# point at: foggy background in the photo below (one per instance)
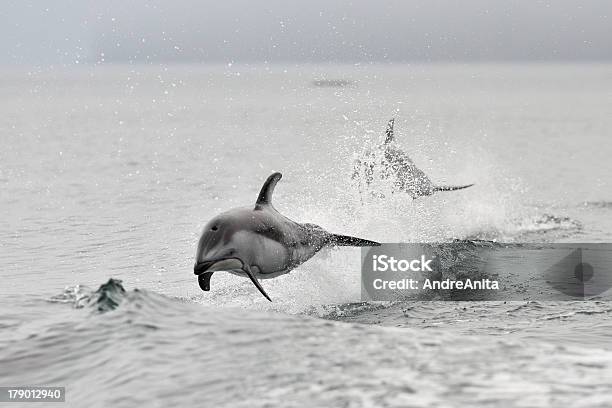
(67, 32)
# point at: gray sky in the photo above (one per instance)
(67, 31)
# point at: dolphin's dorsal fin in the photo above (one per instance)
(389, 131)
(265, 195)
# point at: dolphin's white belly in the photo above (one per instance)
(258, 273)
(267, 258)
(226, 265)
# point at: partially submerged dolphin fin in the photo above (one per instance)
(250, 274)
(265, 195)
(389, 132)
(346, 240)
(451, 188)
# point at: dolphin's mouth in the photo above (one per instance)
(205, 269)
(217, 264)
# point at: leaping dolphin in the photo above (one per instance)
(395, 164)
(259, 242)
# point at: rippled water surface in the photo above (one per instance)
(111, 172)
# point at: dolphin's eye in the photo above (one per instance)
(214, 228)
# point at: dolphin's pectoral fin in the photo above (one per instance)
(250, 274)
(204, 281)
(346, 240)
(265, 195)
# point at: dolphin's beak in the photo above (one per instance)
(217, 264)
(204, 269)
(201, 267)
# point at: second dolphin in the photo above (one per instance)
(389, 162)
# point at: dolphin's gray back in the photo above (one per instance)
(301, 241)
(276, 243)
(405, 174)
(390, 163)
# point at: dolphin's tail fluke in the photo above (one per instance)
(451, 188)
(345, 240)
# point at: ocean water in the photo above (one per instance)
(112, 171)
